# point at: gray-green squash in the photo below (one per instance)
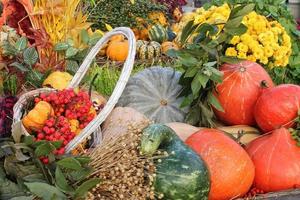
(182, 175)
(155, 93)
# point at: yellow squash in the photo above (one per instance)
(58, 80)
(37, 117)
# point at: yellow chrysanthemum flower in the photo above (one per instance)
(231, 52)
(236, 39)
(242, 47)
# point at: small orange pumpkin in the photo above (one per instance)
(165, 46)
(117, 38)
(37, 117)
(117, 50)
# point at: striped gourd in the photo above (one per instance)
(148, 50)
(158, 33)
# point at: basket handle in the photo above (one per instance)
(126, 71)
(94, 51)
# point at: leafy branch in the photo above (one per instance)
(25, 59)
(64, 177)
(200, 61)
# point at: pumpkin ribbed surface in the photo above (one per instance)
(154, 92)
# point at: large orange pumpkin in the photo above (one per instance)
(277, 161)
(118, 50)
(239, 91)
(278, 107)
(231, 169)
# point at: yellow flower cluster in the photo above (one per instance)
(214, 15)
(265, 41)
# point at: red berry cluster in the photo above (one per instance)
(253, 192)
(67, 105)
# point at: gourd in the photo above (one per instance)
(180, 175)
(276, 157)
(148, 50)
(118, 50)
(277, 107)
(242, 85)
(158, 33)
(166, 46)
(241, 133)
(119, 120)
(58, 80)
(231, 169)
(154, 92)
(158, 17)
(37, 117)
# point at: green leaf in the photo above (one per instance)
(80, 174)
(85, 187)
(30, 56)
(62, 46)
(29, 140)
(215, 102)
(85, 36)
(70, 42)
(191, 72)
(61, 181)
(187, 31)
(187, 101)
(44, 149)
(203, 79)
(45, 191)
(21, 43)
(71, 52)
(196, 86)
(9, 50)
(237, 31)
(57, 144)
(234, 22)
(245, 10)
(35, 178)
(83, 159)
(70, 163)
(230, 60)
(72, 66)
(19, 66)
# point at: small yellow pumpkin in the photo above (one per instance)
(118, 50)
(58, 80)
(165, 46)
(36, 118)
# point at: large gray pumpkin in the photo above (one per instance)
(154, 92)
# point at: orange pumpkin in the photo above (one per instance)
(37, 117)
(165, 46)
(117, 38)
(231, 169)
(117, 50)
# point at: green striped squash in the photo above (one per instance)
(148, 50)
(158, 33)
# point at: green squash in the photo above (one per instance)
(158, 33)
(182, 175)
(148, 50)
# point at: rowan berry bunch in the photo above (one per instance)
(68, 107)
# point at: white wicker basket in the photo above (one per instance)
(94, 126)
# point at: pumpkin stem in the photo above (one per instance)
(164, 102)
(264, 84)
(243, 69)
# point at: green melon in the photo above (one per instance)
(182, 175)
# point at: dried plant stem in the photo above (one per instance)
(124, 172)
